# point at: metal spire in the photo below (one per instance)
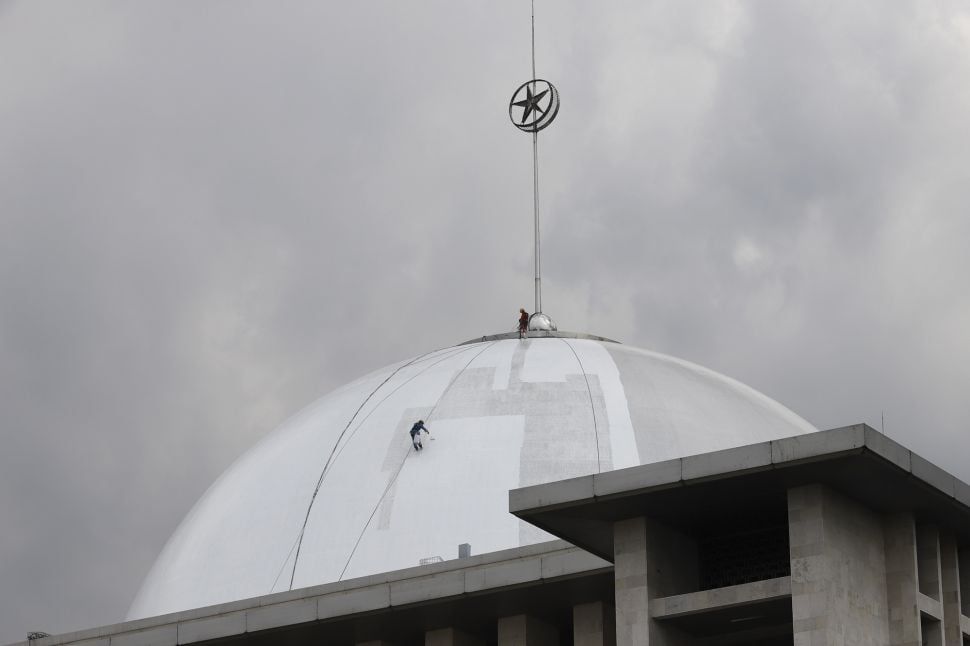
(535, 175)
(539, 101)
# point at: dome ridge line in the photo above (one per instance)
(323, 472)
(404, 461)
(592, 408)
(399, 386)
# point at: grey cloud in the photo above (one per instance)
(211, 216)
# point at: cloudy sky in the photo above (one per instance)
(212, 213)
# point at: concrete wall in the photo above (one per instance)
(451, 637)
(950, 588)
(525, 630)
(963, 558)
(594, 624)
(902, 580)
(650, 561)
(838, 570)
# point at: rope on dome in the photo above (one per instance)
(589, 391)
(406, 456)
(401, 385)
(298, 543)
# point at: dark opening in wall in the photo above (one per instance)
(742, 554)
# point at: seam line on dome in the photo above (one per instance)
(592, 407)
(340, 450)
(299, 540)
(404, 461)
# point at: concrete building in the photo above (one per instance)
(834, 537)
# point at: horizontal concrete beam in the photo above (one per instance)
(929, 606)
(430, 583)
(744, 594)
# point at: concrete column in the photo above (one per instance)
(630, 572)
(902, 582)
(931, 633)
(594, 624)
(650, 560)
(451, 637)
(838, 570)
(950, 586)
(928, 560)
(525, 630)
(963, 563)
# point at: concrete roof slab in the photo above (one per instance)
(727, 461)
(503, 574)
(668, 472)
(281, 614)
(962, 491)
(425, 588)
(166, 635)
(888, 449)
(933, 475)
(544, 495)
(856, 460)
(573, 562)
(347, 602)
(818, 445)
(199, 630)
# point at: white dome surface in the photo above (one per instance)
(503, 413)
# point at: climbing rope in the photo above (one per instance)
(298, 544)
(406, 456)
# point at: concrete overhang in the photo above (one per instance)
(722, 486)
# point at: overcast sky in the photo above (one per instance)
(212, 213)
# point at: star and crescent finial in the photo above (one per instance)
(538, 100)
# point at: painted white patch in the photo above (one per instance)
(499, 357)
(548, 360)
(449, 492)
(597, 361)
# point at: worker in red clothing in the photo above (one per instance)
(523, 322)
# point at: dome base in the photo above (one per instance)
(539, 334)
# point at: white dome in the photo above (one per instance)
(504, 414)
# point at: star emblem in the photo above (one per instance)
(538, 101)
(531, 104)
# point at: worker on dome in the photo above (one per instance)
(416, 434)
(523, 322)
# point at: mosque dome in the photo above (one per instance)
(338, 492)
